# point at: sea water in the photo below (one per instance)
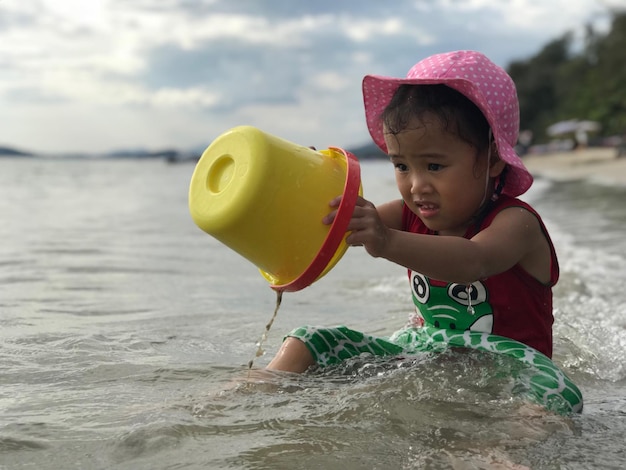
(126, 332)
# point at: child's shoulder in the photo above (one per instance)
(505, 202)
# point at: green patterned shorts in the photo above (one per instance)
(549, 385)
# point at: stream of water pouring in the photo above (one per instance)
(259, 351)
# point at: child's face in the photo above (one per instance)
(440, 177)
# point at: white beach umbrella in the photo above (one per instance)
(572, 126)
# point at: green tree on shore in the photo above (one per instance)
(557, 84)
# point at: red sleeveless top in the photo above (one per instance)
(512, 304)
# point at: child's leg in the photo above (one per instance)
(293, 356)
(309, 345)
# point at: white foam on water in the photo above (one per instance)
(589, 299)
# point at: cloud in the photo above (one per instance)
(193, 68)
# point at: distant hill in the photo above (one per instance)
(12, 152)
(368, 151)
(363, 152)
(141, 153)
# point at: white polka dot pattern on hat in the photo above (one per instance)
(475, 76)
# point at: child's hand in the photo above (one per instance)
(366, 227)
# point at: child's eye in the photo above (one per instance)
(434, 166)
(400, 167)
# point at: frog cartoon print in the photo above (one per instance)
(451, 306)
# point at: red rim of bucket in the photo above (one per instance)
(337, 229)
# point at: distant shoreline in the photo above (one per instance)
(596, 164)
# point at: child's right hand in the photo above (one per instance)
(366, 227)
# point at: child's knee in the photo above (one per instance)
(293, 356)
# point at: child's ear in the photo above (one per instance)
(496, 168)
(497, 164)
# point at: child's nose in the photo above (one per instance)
(419, 183)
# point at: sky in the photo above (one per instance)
(95, 76)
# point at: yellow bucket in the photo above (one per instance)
(265, 197)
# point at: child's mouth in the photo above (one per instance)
(427, 209)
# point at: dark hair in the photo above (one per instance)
(457, 114)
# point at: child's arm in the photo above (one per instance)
(514, 236)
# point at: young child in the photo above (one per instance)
(478, 259)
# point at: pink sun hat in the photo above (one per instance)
(471, 73)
